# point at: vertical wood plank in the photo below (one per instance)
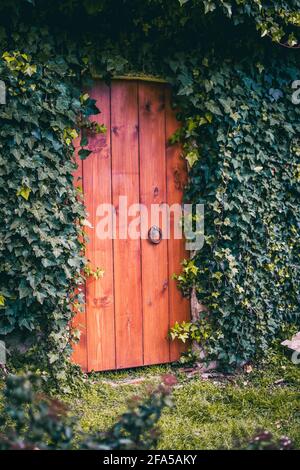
(125, 182)
(176, 180)
(79, 355)
(153, 191)
(99, 293)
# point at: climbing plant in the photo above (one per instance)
(243, 148)
(32, 420)
(240, 137)
(277, 19)
(42, 215)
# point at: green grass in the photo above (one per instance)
(206, 414)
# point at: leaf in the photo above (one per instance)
(248, 368)
(2, 301)
(83, 141)
(30, 70)
(228, 8)
(53, 357)
(209, 117)
(84, 97)
(209, 6)
(192, 157)
(24, 192)
(275, 94)
(292, 40)
(84, 153)
(24, 292)
(40, 297)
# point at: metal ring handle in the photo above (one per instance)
(154, 234)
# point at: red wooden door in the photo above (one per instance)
(129, 311)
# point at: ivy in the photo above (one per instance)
(240, 137)
(246, 175)
(42, 257)
(31, 420)
(278, 19)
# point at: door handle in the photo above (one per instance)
(154, 234)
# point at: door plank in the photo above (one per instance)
(79, 355)
(176, 180)
(99, 293)
(125, 182)
(155, 281)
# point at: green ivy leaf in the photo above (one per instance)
(84, 153)
(24, 192)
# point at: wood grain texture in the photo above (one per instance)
(79, 355)
(155, 282)
(99, 293)
(127, 252)
(129, 311)
(176, 180)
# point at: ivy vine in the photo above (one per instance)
(240, 136)
(244, 155)
(42, 215)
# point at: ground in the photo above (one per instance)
(208, 413)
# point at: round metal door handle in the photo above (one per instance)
(154, 234)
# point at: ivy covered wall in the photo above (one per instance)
(240, 137)
(41, 251)
(244, 146)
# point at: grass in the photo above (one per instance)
(207, 414)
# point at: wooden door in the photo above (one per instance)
(129, 311)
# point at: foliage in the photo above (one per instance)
(223, 412)
(31, 420)
(41, 242)
(277, 19)
(240, 137)
(198, 331)
(185, 331)
(195, 332)
(136, 427)
(188, 276)
(264, 440)
(97, 273)
(246, 175)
